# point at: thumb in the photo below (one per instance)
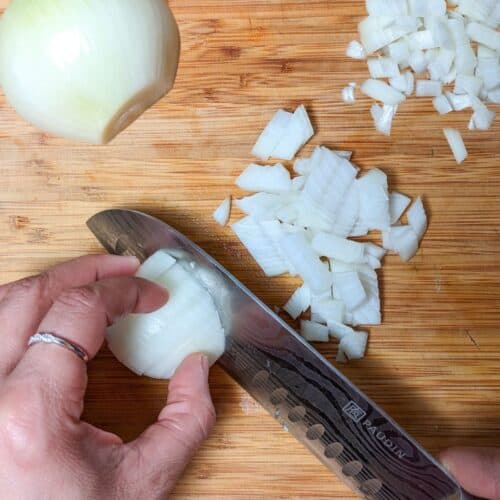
(476, 469)
(159, 456)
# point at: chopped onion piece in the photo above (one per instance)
(298, 183)
(359, 230)
(404, 83)
(374, 200)
(467, 84)
(274, 179)
(479, 10)
(422, 40)
(439, 68)
(347, 155)
(494, 96)
(417, 61)
(428, 88)
(223, 212)
(398, 203)
(369, 312)
(338, 330)
(297, 133)
(484, 35)
(334, 247)
(328, 183)
(392, 8)
(302, 166)
(355, 50)
(261, 206)
(383, 117)
(378, 31)
(330, 310)
(348, 95)
(156, 265)
(354, 346)
(424, 8)
(272, 135)
(383, 67)
(483, 117)
(381, 91)
(348, 288)
(298, 250)
(442, 105)
(404, 241)
(261, 246)
(314, 332)
(299, 302)
(459, 102)
(417, 218)
(348, 213)
(341, 357)
(399, 52)
(456, 143)
(375, 251)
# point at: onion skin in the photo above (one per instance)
(86, 69)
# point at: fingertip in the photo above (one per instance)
(446, 461)
(151, 296)
(130, 260)
(191, 379)
(195, 364)
(474, 468)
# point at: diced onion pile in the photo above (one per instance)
(303, 225)
(437, 43)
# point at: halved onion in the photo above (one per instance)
(86, 69)
(155, 344)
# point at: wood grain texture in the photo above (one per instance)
(433, 364)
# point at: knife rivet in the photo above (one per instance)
(352, 468)
(315, 432)
(333, 450)
(297, 414)
(261, 377)
(278, 396)
(371, 487)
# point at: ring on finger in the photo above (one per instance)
(50, 338)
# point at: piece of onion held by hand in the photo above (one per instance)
(155, 344)
(86, 69)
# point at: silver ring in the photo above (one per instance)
(50, 338)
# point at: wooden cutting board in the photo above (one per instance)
(433, 364)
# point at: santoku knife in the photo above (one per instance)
(308, 396)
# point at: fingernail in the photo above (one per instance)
(132, 260)
(446, 465)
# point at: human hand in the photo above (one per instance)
(476, 469)
(46, 451)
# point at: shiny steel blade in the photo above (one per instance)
(308, 396)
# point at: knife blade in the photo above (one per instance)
(308, 396)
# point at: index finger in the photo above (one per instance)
(81, 316)
(25, 302)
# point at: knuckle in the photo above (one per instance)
(80, 300)
(40, 285)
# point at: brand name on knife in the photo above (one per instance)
(358, 415)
